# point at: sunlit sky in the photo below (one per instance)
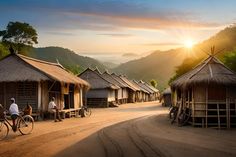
(120, 26)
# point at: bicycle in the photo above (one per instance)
(25, 124)
(85, 111)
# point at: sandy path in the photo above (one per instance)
(137, 130)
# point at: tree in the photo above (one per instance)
(19, 35)
(3, 51)
(153, 83)
(229, 60)
(186, 66)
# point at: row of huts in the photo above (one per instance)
(208, 93)
(111, 90)
(32, 81)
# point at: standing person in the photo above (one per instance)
(14, 111)
(52, 107)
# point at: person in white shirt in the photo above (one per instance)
(14, 111)
(52, 108)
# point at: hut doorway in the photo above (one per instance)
(69, 98)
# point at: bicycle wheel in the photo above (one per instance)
(26, 124)
(88, 112)
(4, 130)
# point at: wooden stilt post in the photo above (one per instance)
(5, 95)
(193, 108)
(218, 115)
(206, 107)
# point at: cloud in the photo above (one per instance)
(163, 44)
(117, 35)
(103, 15)
(129, 55)
(60, 33)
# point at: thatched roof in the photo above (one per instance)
(140, 86)
(210, 71)
(124, 84)
(96, 80)
(17, 67)
(151, 87)
(130, 83)
(166, 91)
(110, 79)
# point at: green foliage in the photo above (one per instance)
(3, 51)
(19, 35)
(75, 69)
(187, 65)
(69, 59)
(229, 60)
(153, 83)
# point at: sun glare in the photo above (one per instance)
(188, 43)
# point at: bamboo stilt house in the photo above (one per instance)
(32, 81)
(208, 92)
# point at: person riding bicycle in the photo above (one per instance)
(14, 111)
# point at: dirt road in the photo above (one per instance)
(132, 130)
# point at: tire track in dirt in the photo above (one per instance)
(111, 147)
(146, 148)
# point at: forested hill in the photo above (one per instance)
(162, 65)
(159, 65)
(69, 59)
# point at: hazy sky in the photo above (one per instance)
(120, 26)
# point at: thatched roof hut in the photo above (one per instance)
(145, 94)
(33, 81)
(208, 92)
(102, 92)
(166, 97)
(210, 71)
(135, 94)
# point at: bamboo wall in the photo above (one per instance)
(211, 106)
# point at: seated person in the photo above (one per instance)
(28, 110)
(52, 108)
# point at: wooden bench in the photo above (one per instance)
(35, 114)
(71, 112)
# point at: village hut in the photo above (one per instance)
(32, 81)
(135, 94)
(102, 93)
(126, 89)
(156, 93)
(207, 94)
(151, 95)
(166, 97)
(119, 92)
(144, 93)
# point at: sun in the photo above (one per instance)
(188, 43)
